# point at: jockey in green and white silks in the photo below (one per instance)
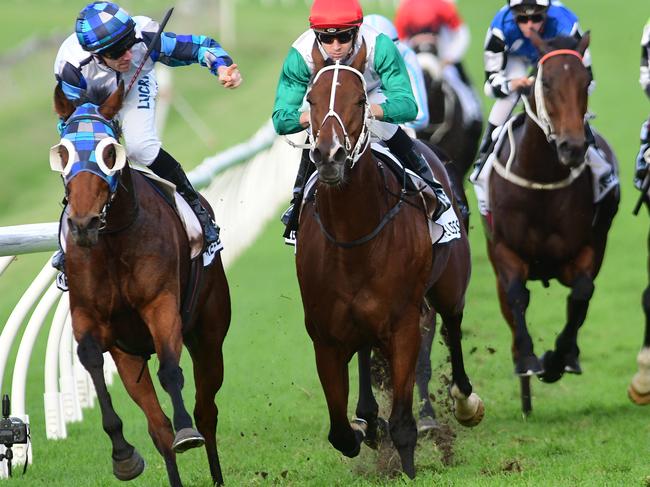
(386, 77)
(337, 31)
(643, 157)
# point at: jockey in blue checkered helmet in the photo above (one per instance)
(102, 27)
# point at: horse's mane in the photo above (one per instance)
(94, 95)
(563, 42)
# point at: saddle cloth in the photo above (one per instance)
(445, 229)
(187, 216)
(603, 174)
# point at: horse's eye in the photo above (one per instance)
(64, 155)
(546, 85)
(308, 100)
(362, 102)
(109, 156)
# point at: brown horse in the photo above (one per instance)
(545, 224)
(128, 264)
(365, 265)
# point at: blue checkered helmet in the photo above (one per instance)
(101, 25)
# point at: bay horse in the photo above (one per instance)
(544, 222)
(365, 266)
(128, 264)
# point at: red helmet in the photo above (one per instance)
(335, 15)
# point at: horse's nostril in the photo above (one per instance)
(340, 155)
(316, 155)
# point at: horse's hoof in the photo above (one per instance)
(553, 371)
(426, 425)
(638, 398)
(476, 418)
(572, 364)
(130, 468)
(527, 366)
(187, 438)
(374, 436)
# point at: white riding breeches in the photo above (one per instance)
(137, 117)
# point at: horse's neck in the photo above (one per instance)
(353, 209)
(124, 207)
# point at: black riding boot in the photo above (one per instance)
(168, 168)
(403, 147)
(485, 147)
(290, 216)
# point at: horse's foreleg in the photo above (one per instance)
(639, 389)
(468, 406)
(404, 348)
(332, 367)
(164, 324)
(127, 462)
(135, 376)
(367, 407)
(514, 302)
(207, 358)
(427, 416)
(565, 356)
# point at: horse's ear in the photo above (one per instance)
(539, 43)
(62, 105)
(359, 62)
(317, 56)
(584, 43)
(113, 103)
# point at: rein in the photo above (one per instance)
(384, 221)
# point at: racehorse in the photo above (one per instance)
(126, 280)
(365, 265)
(544, 223)
(447, 129)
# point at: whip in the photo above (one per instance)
(149, 49)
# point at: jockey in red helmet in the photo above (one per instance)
(337, 30)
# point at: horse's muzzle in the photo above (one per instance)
(330, 164)
(571, 151)
(84, 230)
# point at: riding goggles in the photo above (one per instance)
(342, 37)
(534, 18)
(118, 49)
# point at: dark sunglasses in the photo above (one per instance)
(343, 37)
(118, 50)
(534, 18)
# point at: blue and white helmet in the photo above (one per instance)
(529, 6)
(101, 25)
(381, 24)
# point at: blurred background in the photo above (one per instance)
(273, 416)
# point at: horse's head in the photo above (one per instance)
(561, 95)
(89, 158)
(338, 110)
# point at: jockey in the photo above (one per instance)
(107, 47)
(424, 21)
(337, 31)
(384, 26)
(509, 54)
(643, 159)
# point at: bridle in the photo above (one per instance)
(353, 154)
(542, 118)
(98, 167)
